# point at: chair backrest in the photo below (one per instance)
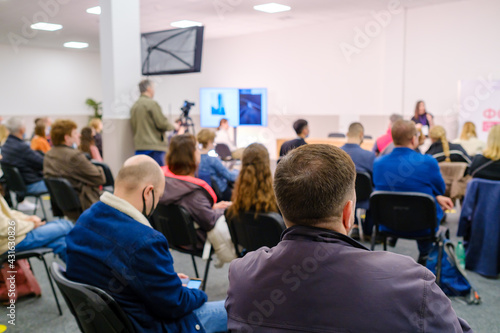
(13, 178)
(403, 211)
(64, 194)
(110, 181)
(216, 189)
(94, 309)
(251, 233)
(336, 135)
(363, 185)
(223, 151)
(368, 137)
(176, 224)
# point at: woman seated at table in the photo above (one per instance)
(487, 165)
(212, 166)
(196, 196)
(442, 150)
(253, 191)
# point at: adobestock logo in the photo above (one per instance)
(371, 30)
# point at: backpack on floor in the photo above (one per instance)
(450, 277)
(25, 282)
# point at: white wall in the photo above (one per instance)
(446, 43)
(38, 81)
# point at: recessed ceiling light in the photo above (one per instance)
(94, 10)
(185, 24)
(46, 26)
(76, 45)
(272, 8)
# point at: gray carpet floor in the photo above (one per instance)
(40, 314)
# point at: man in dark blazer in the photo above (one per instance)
(302, 129)
(319, 280)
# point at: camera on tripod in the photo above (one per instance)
(186, 107)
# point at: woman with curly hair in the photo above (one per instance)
(253, 190)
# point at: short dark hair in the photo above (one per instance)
(355, 129)
(299, 125)
(312, 183)
(402, 132)
(181, 155)
(143, 85)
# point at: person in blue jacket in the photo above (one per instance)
(113, 247)
(405, 170)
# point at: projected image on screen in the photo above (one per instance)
(250, 108)
(218, 104)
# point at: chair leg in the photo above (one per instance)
(51, 285)
(205, 276)
(374, 235)
(36, 206)
(43, 209)
(195, 268)
(385, 243)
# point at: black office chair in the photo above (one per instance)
(95, 311)
(176, 224)
(223, 151)
(406, 212)
(364, 189)
(15, 183)
(250, 233)
(336, 135)
(368, 137)
(216, 189)
(39, 254)
(64, 196)
(110, 181)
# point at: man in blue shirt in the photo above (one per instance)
(363, 160)
(405, 170)
(113, 247)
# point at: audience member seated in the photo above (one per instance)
(4, 134)
(39, 141)
(113, 247)
(253, 190)
(442, 150)
(385, 140)
(319, 280)
(422, 118)
(196, 196)
(211, 165)
(87, 144)
(487, 165)
(363, 159)
(31, 232)
(302, 129)
(65, 161)
(17, 153)
(469, 141)
(405, 170)
(96, 124)
(223, 136)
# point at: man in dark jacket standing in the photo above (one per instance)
(149, 125)
(319, 280)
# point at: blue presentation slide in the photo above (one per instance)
(238, 106)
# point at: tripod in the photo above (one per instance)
(188, 123)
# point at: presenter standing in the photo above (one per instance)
(149, 125)
(422, 119)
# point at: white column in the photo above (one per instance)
(121, 72)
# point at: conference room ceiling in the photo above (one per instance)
(221, 18)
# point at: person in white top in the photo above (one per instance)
(222, 135)
(469, 141)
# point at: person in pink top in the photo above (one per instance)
(386, 139)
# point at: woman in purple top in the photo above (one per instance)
(422, 119)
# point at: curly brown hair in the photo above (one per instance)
(253, 190)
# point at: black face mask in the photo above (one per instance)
(144, 204)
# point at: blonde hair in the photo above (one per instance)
(205, 136)
(468, 131)
(94, 123)
(4, 133)
(492, 150)
(438, 133)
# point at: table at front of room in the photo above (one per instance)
(339, 142)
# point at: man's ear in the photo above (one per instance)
(348, 215)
